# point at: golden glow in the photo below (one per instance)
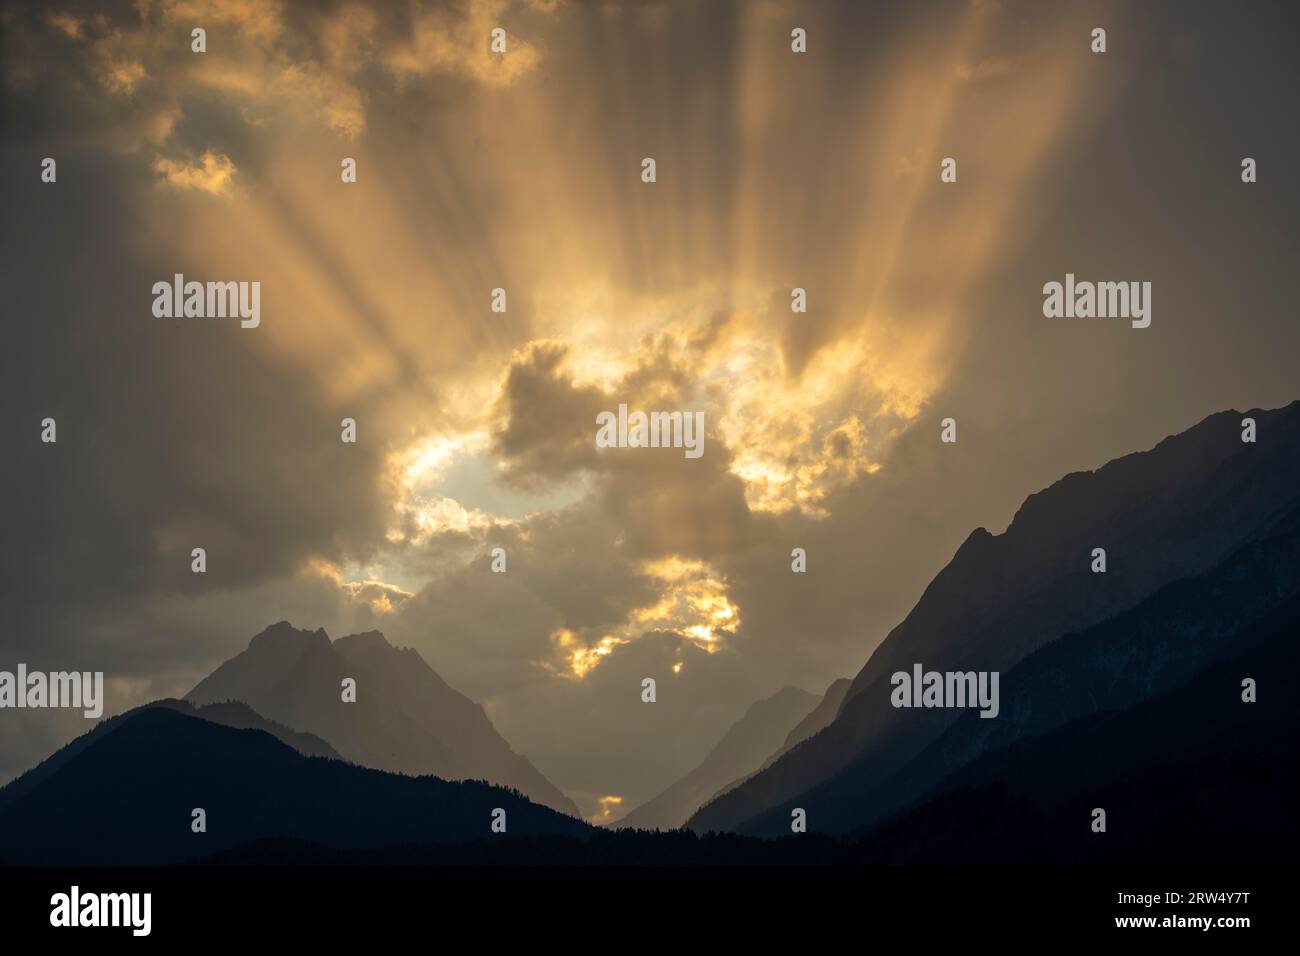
(579, 659)
(607, 806)
(378, 595)
(428, 460)
(325, 569)
(660, 296)
(210, 173)
(417, 470)
(693, 603)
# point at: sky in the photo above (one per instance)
(522, 170)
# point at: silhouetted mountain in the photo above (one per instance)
(237, 714)
(1191, 777)
(604, 848)
(740, 751)
(125, 797)
(1169, 639)
(405, 718)
(229, 714)
(816, 721)
(1169, 513)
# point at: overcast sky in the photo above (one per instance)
(522, 171)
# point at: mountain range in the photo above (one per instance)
(126, 796)
(741, 751)
(1187, 778)
(405, 718)
(229, 714)
(1174, 512)
(1249, 601)
(1163, 689)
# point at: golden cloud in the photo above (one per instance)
(210, 173)
(443, 43)
(606, 807)
(122, 77)
(692, 603)
(379, 596)
(67, 24)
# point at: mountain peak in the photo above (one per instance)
(787, 695)
(367, 641)
(1171, 512)
(974, 542)
(151, 760)
(282, 633)
(405, 718)
(740, 752)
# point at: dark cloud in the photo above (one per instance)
(546, 422)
